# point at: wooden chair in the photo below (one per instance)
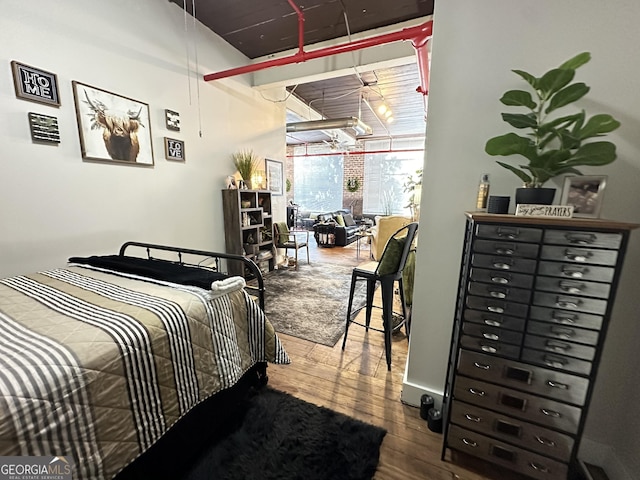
(284, 238)
(387, 271)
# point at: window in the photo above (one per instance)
(318, 181)
(386, 173)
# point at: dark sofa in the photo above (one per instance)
(344, 234)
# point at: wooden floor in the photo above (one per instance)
(356, 382)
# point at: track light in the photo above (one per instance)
(382, 109)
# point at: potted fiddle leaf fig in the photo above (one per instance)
(551, 143)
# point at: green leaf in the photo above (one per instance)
(594, 154)
(511, 144)
(530, 79)
(567, 95)
(521, 175)
(576, 61)
(518, 98)
(554, 80)
(519, 120)
(597, 125)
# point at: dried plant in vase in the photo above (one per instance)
(247, 163)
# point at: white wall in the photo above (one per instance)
(475, 46)
(52, 203)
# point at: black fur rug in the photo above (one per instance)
(271, 436)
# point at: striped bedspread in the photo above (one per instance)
(98, 365)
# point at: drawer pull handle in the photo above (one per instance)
(561, 386)
(502, 280)
(470, 443)
(545, 441)
(479, 393)
(492, 322)
(567, 303)
(508, 233)
(505, 251)
(488, 348)
(502, 265)
(539, 468)
(491, 336)
(581, 238)
(558, 346)
(574, 272)
(554, 362)
(571, 287)
(564, 317)
(494, 309)
(482, 366)
(551, 413)
(496, 294)
(577, 256)
(472, 418)
(562, 332)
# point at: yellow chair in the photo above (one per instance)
(382, 231)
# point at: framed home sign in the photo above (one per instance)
(174, 149)
(274, 176)
(585, 193)
(35, 85)
(112, 128)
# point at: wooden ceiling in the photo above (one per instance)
(265, 27)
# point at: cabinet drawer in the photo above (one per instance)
(560, 347)
(497, 306)
(494, 320)
(550, 383)
(500, 453)
(563, 317)
(562, 362)
(569, 302)
(576, 272)
(531, 408)
(579, 255)
(501, 292)
(490, 347)
(512, 430)
(573, 287)
(563, 332)
(511, 233)
(501, 277)
(492, 333)
(510, 264)
(509, 249)
(586, 239)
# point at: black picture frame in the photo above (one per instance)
(35, 85)
(275, 176)
(174, 149)
(172, 120)
(44, 128)
(95, 105)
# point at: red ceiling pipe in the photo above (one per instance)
(418, 35)
(357, 152)
(300, 26)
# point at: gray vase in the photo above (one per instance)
(536, 196)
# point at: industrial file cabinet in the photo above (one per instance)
(533, 307)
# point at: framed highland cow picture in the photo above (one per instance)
(112, 128)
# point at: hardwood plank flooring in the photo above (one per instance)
(356, 382)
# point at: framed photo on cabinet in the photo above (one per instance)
(584, 193)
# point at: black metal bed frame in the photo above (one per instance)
(254, 271)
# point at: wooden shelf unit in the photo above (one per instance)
(248, 227)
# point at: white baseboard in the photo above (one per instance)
(411, 394)
(605, 457)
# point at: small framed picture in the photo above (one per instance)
(173, 120)
(585, 194)
(274, 176)
(174, 149)
(35, 85)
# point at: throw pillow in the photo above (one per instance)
(348, 220)
(340, 220)
(391, 256)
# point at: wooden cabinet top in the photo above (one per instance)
(597, 223)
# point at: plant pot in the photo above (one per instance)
(536, 196)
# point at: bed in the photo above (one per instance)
(101, 358)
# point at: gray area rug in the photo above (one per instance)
(311, 303)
